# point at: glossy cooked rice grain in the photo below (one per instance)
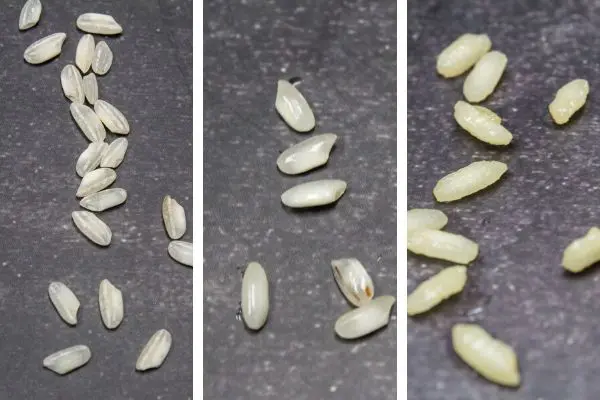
(433, 291)
(568, 100)
(468, 180)
(462, 54)
(425, 218)
(483, 79)
(481, 124)
(443, 245)
(582, 252)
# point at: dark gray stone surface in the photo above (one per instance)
(517, 288)
(150, 81)
(345, 53)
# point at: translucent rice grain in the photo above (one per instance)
(182, 252)
(156, 350)
(100, 24)
(315, 193)
(481, 124)
(85, 53)
(293, 107)
(583, 252)
(104, 199)
(353, 280)
(30, 14)
(45, 49)
(115, 153)
(110, 301)
(103, 58)
(468, 180)
(462, 54)
(443, 245)
(425, 218)
(484, 77)
(491, 358)
(66, 360)
(90, 158)
(96, 180)
(90, 88)
(88, 122)
(436, 289)
(569, 98)
(365, 319)
(65, 302)
(255, 296)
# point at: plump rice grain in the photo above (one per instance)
(88, 122)
(313, 194)
(111, 117)
(101, 24)
(30, 14)
(462, 54)
(365, 319)
(110, 301)
(425, 218)
(568, 100)
(72, 84)
(582, 252)
(90, 88)
(92, 227)
(155, 351)
(103, 58)
(182, 252)
(484, 77)
(353, 280)
(491, 358)
(293, 107)
(96, 180)
(436, 289)
(90, 158)
(104, 199)
(480, 124)
(85, 53)
(443, 245)
(114, 154)
(45, 49)
(468, 180)
(173, 217)
(306, 155)
(67, 360)
(65, 302)
(255, 296)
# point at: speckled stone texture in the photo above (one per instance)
(346, 55)
(150, 82)
(517, 289)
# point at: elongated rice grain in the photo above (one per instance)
(103, 58)
(72, 84)
(582, 252)
(443, 245)
(436, 289)
(111, 117)
(568, 100)
(365, 319)
(90, 88)
(104, 199)
(155, 351)
(462, 54)
(96, 180)
(45, 49)
(481, 124)
(182, 252)
(484, 77)
(30, 14)
(494, 360)
(173, 217)
(425, 218)
(353, 280)
(255, 296)
(101, 24)
(67, 360)
(88, 122)
(314, 193)
(115, 153)
(306, 155)
(110, 301)
(65, 302)
(85, 53)
(293, 107)
(468, 180)
(90, 158)
(92, 227)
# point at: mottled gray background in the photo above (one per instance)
(150, 81)
(517, 289)
(346, 54)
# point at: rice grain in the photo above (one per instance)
(306, 155)
(115, 153)
(481, 124)
(293, 107)
(582, 252)
(182, 252)
(104, 199)
(65, 302)
(67, 360)
(568, 100)
(90, 158)
(103, 58)
(173, 217)
(353, 280)
(44, 49)
(484, 77)
(72, 84)
(96, 180)
(110, 301)
(155, 351)
(443, 245)
(436, 289)
(101, 24)
(88, 122)
(315, 193)
(30, 14)
(111, 117)
(92, 227)
(462, 54)
(425, 218)
(255, 296)
(85, 53)
(365, 319)
(468, 180)
(90, 88)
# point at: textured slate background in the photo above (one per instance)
(517, 289)
(346, 54)
(150, 81)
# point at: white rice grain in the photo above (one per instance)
(89, 160)
(353, 280)
(111, 117)
(88, 122)
(436, 289)
(306, 155)
(104, 199)
(110, 301)
(313, 194)
(173, 217)
(568, 100)
(491, 358)
(481, 124)
(255, 296)
(462, 54)
(365, 319)
(155, 351)
(293, 107)
(92, 227)
(45, 49)
(90, 88)
(182, 252)
(67, 360)
(468, 180)
(582, 252)
(101, 24)
(65, 302)
(96, 180)
(443, 245)
(425, 218)
(484, 77)
(30, 14)
(85, 53)
(72, 84)
(115, 153)
(103, 58)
